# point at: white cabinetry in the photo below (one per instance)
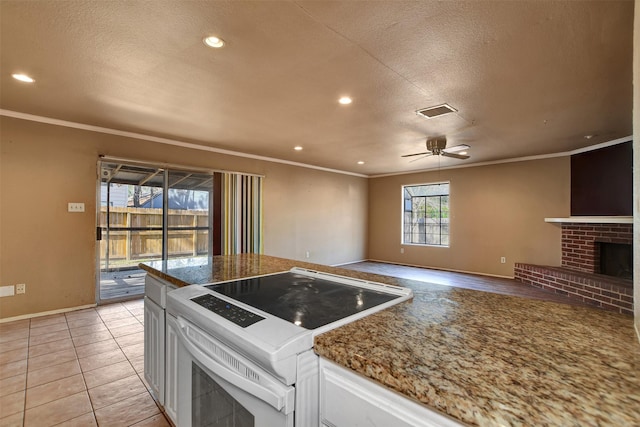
(155, 302)
(171, 378)
(154, 347)
(350, 400)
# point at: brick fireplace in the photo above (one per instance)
(581, 243)
(579, 275)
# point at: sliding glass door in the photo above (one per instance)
(149, 213)
(188, 215)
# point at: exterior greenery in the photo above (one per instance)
(425, 219)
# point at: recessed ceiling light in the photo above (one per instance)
(297, 148)
(23, 78)
(215, 42)
(361, 162)
(345, 100)
(588, 136)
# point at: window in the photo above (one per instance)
(425, 219)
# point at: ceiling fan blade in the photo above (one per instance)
(420, 158)
(426, 153)
(456, 148)
(455, 156)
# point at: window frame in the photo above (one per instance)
(440, 218)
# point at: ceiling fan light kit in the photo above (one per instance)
(436, 145)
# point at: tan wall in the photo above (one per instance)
(496, 211)
(322, 213)
(44, 167)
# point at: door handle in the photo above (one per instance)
(268, 390)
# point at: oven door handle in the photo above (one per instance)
(272, 392)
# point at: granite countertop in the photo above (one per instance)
(482, 358)
(202, 270)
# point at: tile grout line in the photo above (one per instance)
(26, 377)
(141, 378)
(138, 374)
(83, 372)
(84, 381)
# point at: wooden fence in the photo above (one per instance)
(130, 244)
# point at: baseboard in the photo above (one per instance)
(347, 263)
(46, 313)
(439, 268)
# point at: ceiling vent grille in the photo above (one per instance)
(438, 110)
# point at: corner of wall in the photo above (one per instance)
(636, 166)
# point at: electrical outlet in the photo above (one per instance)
(401, 250)
(21, 288)
(307, 254)
(503, 260)
(75, 207)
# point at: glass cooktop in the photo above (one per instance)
(309, 302)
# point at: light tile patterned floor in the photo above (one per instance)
(82, 368)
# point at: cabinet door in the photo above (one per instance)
(350, 400)
(171, 379)
(154, 348)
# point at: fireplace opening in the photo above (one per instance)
(616, 259)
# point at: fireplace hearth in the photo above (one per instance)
(597, 264)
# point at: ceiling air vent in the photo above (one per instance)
(438, 110)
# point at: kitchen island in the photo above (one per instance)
(481, 358)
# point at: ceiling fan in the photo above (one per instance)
(438, 147)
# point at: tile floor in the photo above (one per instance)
(82, 368)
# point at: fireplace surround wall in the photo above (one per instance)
(578, 276)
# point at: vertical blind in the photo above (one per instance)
(241, 214)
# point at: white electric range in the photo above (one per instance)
(240, 353)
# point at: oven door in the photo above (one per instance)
(218, 387)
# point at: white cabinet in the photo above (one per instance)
(350, 400)
(171, 378)
(154, 348)
(156, 289)
(155, 301)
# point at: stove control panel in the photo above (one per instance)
(233, 313)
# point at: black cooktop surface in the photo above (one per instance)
(309, 302)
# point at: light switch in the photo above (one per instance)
(76, 207)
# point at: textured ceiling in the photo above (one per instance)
(527, 78)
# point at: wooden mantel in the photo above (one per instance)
(593, 219)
